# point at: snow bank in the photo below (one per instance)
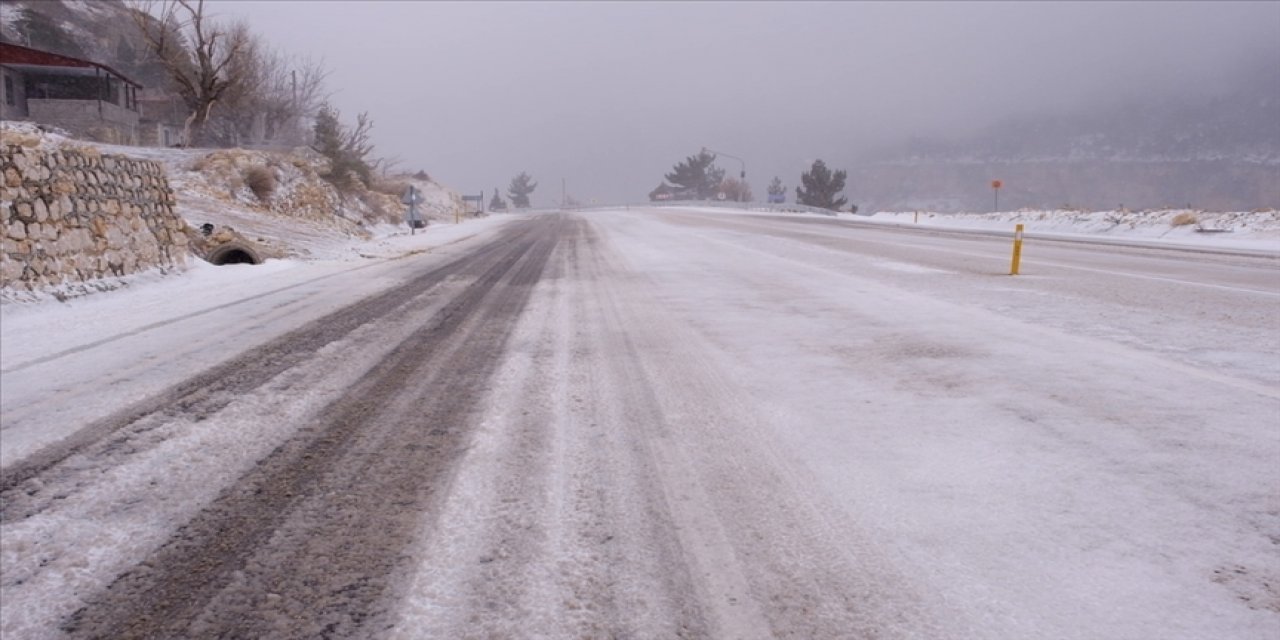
(1249, 230)
(1235, 229)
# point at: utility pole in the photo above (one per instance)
(564, 199)
(295, 127)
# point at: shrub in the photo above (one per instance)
(201, 163)
(1185, 218)
(261, 181)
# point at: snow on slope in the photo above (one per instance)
(304, 218)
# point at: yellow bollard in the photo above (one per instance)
(1017, 250)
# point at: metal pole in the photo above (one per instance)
(743, 175)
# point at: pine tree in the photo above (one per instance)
(328, 133)
(821, 187)
(777, 192)
(697, 176)
(345, 148)
(497, 203)
(521, 187)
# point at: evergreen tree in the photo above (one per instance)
(698, 176)
(345, 148)
(497, 203)
(821, 187)
(777, 192)
(328, 133)
(521, 187)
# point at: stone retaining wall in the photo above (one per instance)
(70, 216)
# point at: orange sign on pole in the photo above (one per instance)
(995, 188)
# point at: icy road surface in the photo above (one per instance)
(656, 424)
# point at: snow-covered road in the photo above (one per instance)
(659, 423)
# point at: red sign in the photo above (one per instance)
(996, 184)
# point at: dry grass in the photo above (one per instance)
(261, 181)
(201, 163)
(1185, 218)
(19, 139)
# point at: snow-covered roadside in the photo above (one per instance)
(297, 214)
(64, 363)
(1247, 230)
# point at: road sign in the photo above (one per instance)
(413, 218)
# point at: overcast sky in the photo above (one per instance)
(609, 95)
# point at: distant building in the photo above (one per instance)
(88, 99)
(665, 191)
(162, 118)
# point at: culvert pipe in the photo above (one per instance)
(234, 253)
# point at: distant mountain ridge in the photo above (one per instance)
(1221, 152)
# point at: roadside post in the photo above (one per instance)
(1017, 250)
(995, 188)
(411, 197)
(479, 200)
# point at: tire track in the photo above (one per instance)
(312, 542)
(215, 388)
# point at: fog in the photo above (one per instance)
(608, 96)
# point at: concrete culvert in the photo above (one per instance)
(234, 253)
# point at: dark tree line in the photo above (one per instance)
(698, 178)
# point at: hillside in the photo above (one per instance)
(98, 30)
(277, 203)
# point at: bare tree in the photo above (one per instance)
(238, 119)
(294, 89)
(736, 190)
(202, 57)
(274, 100)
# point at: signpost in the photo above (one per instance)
(479, 200)
(411, 197)
(995, 187)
